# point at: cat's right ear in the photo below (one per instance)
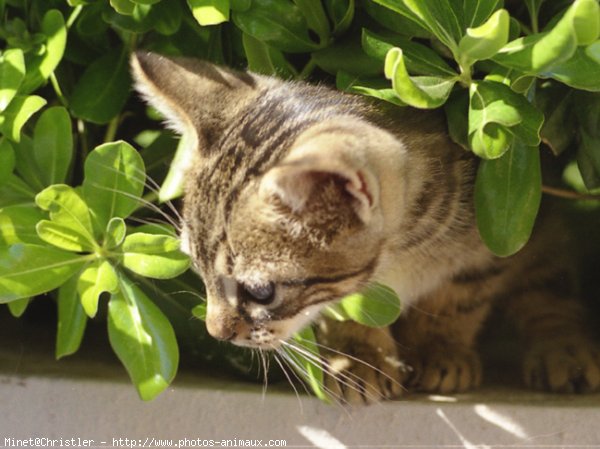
(196, 98)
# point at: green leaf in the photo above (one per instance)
(496, 114)
(16, 192)
(341, 13)
(474, 12)
(143, 339)
(210, 12)
(141, 20)
(580, 71)
(507, 198)
(457, 110)
(114, 181)
(199, 311)
(278, 23)
(167, 17)
(539, 53)
(484, 41)
(393, 21)
(376, 306)
(103, 88)
(348, 56)
(316, 18)
(419, 59)
(17, 308)
(41, 66)
(17, 224)
(96, 278)
(376, 88)
(257, 53)
(12, 72)
(437, 16)
(7, 160)
(29, 270)
(71, 225)
(115, 233)
(123, 6)
(53, 144)
(20, 109)
(172, 187)
(305, 362)
(425, 92)
(155, 256)
(71, 320)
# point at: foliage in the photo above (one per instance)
(509, 77)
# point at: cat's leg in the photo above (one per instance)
(362, 364)
(437, 342)
(560, 356)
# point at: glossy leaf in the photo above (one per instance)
(17, 307)
(341, 13)
(579, 72)
(71, 320)
(12, 72)
(29, 270)
(484, 41)
(199, 311)
(457, 110)
(257, 53)
(376, 88)
(172, 187)
(7, 160)
(278, 23)
(17, 224)
(347, 56)
(315, 16)
(507, 198)
(155, 256)
(115, 233)
(210, 12)
(123, 6)
(539, 53)
(71, 223)
(304, 361)
(376, 306)
(96, 278)
(114, 181)
(103, 88)
(496, 114)
(419, 59)
(53, 144)
(143, 339)
(20, 109)
(16, 192)
(26, 165)
(42, 65)
(425, 92)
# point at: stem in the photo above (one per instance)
(535, 27)
(111, 131)
(82, 130)
(58, 90)
(308, 69)
(73, 16)
(569, 194)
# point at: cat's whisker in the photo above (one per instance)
(298, 368)
(348, 379)
(356, 359)
(265, 369)
(289, 379)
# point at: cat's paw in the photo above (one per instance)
(563, 365)
(368, 375)
(442, 368)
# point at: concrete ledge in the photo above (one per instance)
(89, 397)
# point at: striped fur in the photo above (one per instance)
(320, 193)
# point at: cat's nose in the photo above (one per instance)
(220, 324)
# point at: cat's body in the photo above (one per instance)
(300, 195)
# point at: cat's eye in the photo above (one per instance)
(261, 293)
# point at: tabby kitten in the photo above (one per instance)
(298, 195)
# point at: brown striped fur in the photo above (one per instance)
(320, 193)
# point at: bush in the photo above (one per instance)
(79, 209)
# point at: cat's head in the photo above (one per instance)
(285, 197)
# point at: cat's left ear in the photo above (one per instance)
(195, 97)
(299, 179)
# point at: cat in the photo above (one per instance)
(298, 195)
